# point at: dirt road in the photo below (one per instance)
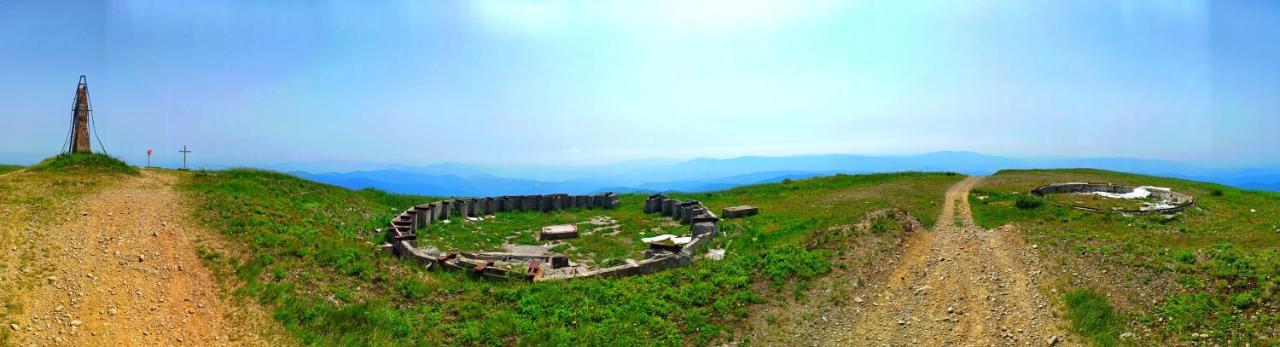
(959, 285)
(121, 269)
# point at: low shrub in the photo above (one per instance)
(1027, 202)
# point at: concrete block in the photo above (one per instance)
(653, 203)
(517, 203)
(612, 200)
(701, 229)
(532, 202)
(469, 207)
(437, 211)
(548, 203)
(558, 232)
(739, 211)
(669, 207)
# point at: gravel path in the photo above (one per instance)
(958, 285)
(125, 272)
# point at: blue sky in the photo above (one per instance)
(348, 83)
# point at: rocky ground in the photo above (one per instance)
(120, 268)
(954, 285)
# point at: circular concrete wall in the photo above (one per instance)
(1179, 201)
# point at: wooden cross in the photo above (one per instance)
(184, 152)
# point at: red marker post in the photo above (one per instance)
(148, 158)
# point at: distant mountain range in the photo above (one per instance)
(706, 174)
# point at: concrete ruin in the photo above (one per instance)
(558, 232)
(1176, 201)
(402, 234)
(740, 211)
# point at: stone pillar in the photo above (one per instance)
(615, 200)
(490, 206)
(549, 203)
(532, 202)
(668, 207)
(517, 202)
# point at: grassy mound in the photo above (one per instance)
(84, 163)
(309, 252)
(1209, 273)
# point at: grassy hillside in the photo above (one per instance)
(84, 163)
(309, 252)
(1210, 273)
(8, 168)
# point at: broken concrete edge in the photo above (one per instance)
(642, 267)
(1181, 201)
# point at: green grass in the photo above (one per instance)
(8, 168)
(1214, 268)
(84, 163)
(308, 252)
(1091, 316)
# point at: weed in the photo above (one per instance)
(1027, 202)
(1091, 316)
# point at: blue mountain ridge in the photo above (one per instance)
(707, 174)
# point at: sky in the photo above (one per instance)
(342, 84)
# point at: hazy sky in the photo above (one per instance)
(583, 82)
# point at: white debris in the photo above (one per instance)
(715, 254)
(1137, 193)
(1157, 206)
(1253, 210)
(674, 239)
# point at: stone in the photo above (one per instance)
(703, 228)
(651, 204)
(558, 232)
(668, 206)
(532, 202)
(442, 208)
(739, 211)
(548, 203)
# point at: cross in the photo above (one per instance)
(184, 152)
